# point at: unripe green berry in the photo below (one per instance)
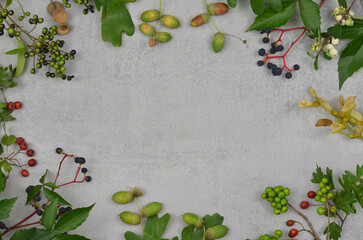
(130, 218)
(216, 232)
(151, 209)
(192, 219)
(150, 15)
(123, 197)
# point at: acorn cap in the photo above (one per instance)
(60, 15)
(152, 42)
(63, 29)
(53, 6)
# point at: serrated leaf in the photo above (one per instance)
(334, 231)
(70, 237)
(155, 226)
(272, 19)
(335, 30)
(8, 140)
(214, 220)
(318, 175)
(342, 3)
(344, 200)
(116, 20)
(310, 15)
(359, 171)
(42, 179)
(51, 196)
(32, 193)
(51, 185)
(50, 214)
(33, 234)
(73, 219)
(6, 206)
(232, 3)
(5, 115)
(355, 31)
(258, 6)
(6, 166)
(350, 61)
(188, 233)
(21, 60)
(276, 5)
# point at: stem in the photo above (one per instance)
(17, 225)
(160, 15)
(138, 207)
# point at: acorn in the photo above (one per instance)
(218, 9)
(60, 15)
(147, 29)
(199, 20)
(216, 232)
(218, 41)
(162, 37)
(130, 218)
(53, 6)
(150, 15)
(151, 209)
(192, 219)
(123, 197)
(169, 21)
(137, 192)
(63, 29)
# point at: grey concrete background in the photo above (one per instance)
(198, 131)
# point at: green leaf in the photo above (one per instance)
(232, 3)
(258, 6)
(70, 237)
(42, 179)
(3, 73)
(51, 185)
(21, 60)
(8, 3)
(318, 175)
(51, 196)
(335, 30)
(358, 19)
(359, 171)
(344, 200)
(73, 219)
(188, 233)
(32, 193)
(16, 51)
(350, 61)
(116, 20)
(214, 220)
(2, 181)
(311, 55)
(50, 214)
(310, 15)
(8, 140)
(316, 64)
(7, 167)
(334, 231)
(5, 115)
(33, 234)
(352, 32)
(342, 3)
(276, 5)
(1, 149)
(155, 226)
(270, 18)
(6, 206)
(131, 236)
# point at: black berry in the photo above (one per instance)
(59, 150)
(84, 170)
(261, 52)
(259, 63)
(39, 212)
(88, 178)
(296, 67)
(265, 40)
(62, 210)
(288, 75)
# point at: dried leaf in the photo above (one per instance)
(323, 123)
(341, 101)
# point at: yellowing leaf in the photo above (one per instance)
(349, 104)
(341, 101)
(359, 129)
(312, 92)
(356, 115)
(304, 104)
(337, 127)
(324, 104)
(323, 123)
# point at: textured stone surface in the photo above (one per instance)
(198, 131)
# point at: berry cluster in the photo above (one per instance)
(343, 17)
(277, 235)
(277, 197)
(277, 47)
(328, 45)
(88, 7)
(12, 105)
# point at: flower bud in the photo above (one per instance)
(351, 13)
(162, 37)
(130, 218)
(216, 232)
(218, 8)
(137, 192)
(199, 20)
(147, 29)
(151, 209)
(333, 52)
(338, 17)
(169, 21)
(192, 219)
(329, 46)
(150, 15)
(349, 22)
(337, 9)
(218, 41)
(123, 197)
(335, 41)
(342, 22)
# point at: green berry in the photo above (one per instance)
(320, 211)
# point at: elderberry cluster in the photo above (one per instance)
(277, 197)
(88, 7)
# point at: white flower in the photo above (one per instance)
(335, 41)
(333, 52)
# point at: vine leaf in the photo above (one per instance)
(344, 201)
(155, 227)
(6, 206)
(258, 6)
(310, 15)
(52, 196)
(334, 231)
(21, 60)
(70, 237)
(50, 214)
(32, 193)
(272, 19)
(350, 61)
(42, 179)
(232, 3)
(188, 233)
(33, 234)
(276, 5)
(116, 20)
(73, 219)
(352, 32)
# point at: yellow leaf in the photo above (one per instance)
(337, 127)
(356, 115)
(349, 104)
(324, 104)
(304, 104)
(312, 92)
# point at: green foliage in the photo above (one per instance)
(6, 206)
(116, 20)
(42, 179)
(258, 6)
(73, 219)
(334, 231)
(310, 15)
(32, 193)
(276, 5)
(50, 214)
(232, 3)
(52, 196)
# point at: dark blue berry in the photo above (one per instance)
(37, 198)
(59, 150)
(39, 212)
(261, 52)
(279, 48)
(81, 160)
(2, 225)
(44, 205)
(88, 178)
(268, 30)
(273, 66)
(269, 65)
(84, 170)
(296, 67)
(259, 63)
(276, 71)
(76, 160)
(273, 50)
(273, 45)
(68, 208)
(265, 40)
(288, 75)
(62, 210)
(27, 190)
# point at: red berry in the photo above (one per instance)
(293, 233)
(311, 194)
(19, 140)
(30, 152)
(23, 146)
(304, 204)
(25, 173)
(11, 105)
(32, 162)
(290, 223)
(18, 105)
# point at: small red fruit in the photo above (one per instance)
(311, 194)
(19, 140)
(11, 105)
(18, 105)
(23, 146)
(290, 222)
(30, 152)
(32, 162)
(25, 173)
(293, 233)
(304, 204)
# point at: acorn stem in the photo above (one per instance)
(243, 41)
(138, 207)
(159, 17)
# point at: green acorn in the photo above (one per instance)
(147, 29)
(218, 41)
(130, 218)
(169, 21)
(162, 37)
(150, 15)
(151, 209)
(123, 197)
(192, 219)
(216, 232)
